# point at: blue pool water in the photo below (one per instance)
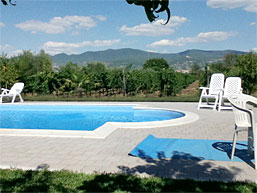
(75, 117)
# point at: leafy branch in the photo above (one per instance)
(5, 2)
(153, 6)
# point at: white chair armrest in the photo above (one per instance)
(206, 88)
(5, 91)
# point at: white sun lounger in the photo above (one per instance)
(13, 92)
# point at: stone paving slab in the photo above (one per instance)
(111, 154)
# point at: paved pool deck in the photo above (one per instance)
(110, 154)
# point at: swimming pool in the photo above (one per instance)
(81, 118)
(84, 119)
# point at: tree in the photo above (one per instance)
(25, 65)
(43, 62)
(150, 6)
(166, 75)
(230, 60)
(247, 65)
(244, 66)
(156, 64)
(8, 72)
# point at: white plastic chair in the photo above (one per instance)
(244, 115)
(232, 86)
(216, 85)
(13, 92)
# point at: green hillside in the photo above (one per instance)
(127, 56)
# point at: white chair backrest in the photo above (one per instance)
(216, 84)
(241, 113)
(17, 87)
(232, 86)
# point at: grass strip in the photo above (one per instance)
(193, 98)
(17, 180)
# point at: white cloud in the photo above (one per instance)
(200, 38)
(154, 29)
(101, 18)
(60, 24)
(247, 5)
(37, 26)
(253, 23)
(64, 47)
(254, 50)
(2, 24)
(9, 50)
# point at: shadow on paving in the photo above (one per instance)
(182, 166)
(184, 170)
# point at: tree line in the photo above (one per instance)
(244, 66)
(97, 79)
(94, 79)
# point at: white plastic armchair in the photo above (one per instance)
(13, 92)
(216, 85)
(244, 109)
(232, 86)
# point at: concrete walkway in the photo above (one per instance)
(111, 154)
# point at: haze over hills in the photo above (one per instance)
(126, 56)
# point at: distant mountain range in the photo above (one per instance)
(126, 56)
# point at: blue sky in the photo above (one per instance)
(76, 26)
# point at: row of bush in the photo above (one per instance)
(93, 79)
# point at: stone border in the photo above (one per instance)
(104, 130)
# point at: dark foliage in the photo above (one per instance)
(153, 6)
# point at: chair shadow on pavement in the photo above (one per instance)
(240, 153)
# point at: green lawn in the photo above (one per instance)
(16, 180)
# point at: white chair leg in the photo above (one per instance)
(13, 98)
(255, 149)
(216, 103)
(200, 102)
(250, 141)
(234, 144)
(220, 102)
(21, 99)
